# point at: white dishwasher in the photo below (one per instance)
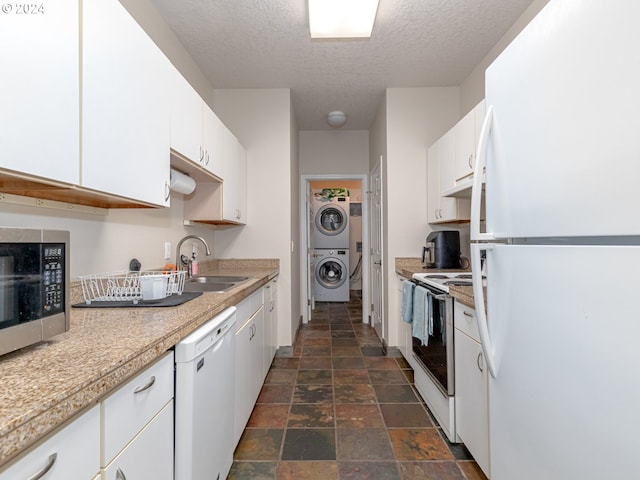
(204, 400)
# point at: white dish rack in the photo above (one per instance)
(125, 286)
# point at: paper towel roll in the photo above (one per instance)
(181, 183)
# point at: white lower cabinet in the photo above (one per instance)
(73, 452)
(248, 360)
(471, 379)
(137, 434)
(149, 454)
(270, 323)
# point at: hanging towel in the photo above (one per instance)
(419, 313)
(407, 300)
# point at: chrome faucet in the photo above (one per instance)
(179, 261)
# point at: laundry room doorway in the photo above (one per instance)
(334, 231)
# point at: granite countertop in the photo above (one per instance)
(407, 266)
(46, 385)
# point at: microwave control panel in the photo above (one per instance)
(53, 278)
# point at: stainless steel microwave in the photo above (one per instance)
(34, 286)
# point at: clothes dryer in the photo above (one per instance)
(330, 222)
(331, 275)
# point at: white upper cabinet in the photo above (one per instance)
(233, 170)
(466, 133)
(440, 175)
(186, 118)
(40, 94)
(126, 106)
(212, 141)
(465, 149)
(196, 131)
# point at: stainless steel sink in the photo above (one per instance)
(213, 283)
(218, 279)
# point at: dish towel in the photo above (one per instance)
(407, 300)
(420, 314)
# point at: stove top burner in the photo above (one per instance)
(459, 283)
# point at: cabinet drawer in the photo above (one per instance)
(247, 307)
(77, 449)
(464, 319)
(126, 412)
(150, 455)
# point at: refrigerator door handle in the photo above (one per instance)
(478, 297)
(478, 172)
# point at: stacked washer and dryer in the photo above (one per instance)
(331, 243)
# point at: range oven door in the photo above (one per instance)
(433, 344)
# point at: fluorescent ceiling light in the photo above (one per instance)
(342, 18)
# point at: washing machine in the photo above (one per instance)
(331, 275)
(330, 222)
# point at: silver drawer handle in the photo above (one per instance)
(145, 387)
(47, 467)
(478, 362)
(467, 314)
(120, 475)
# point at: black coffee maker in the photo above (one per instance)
(442, 250)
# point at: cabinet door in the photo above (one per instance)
(186, 118)
(270, 323)
(448, 206)
(40, 94)
(126, 103)
(213, 139)
(233, 173)
(472, 421)
(257, 355)
(240, 185)
(77, 450)
(243, 376)
(465, 148)
(150, 455)
(433, 183)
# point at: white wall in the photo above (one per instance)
(261, 119)
(107, 243)
(415, 118)
(334, 152)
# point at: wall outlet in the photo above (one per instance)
(167, 250)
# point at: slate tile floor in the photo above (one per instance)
(336, 406)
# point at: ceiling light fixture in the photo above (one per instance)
(342, 18)
(336, 119)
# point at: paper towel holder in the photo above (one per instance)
(181, 183)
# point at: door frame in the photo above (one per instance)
(305, 180)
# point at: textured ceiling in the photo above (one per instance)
(266, 44)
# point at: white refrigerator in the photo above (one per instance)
(560, 149)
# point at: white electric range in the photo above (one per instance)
(432, 344)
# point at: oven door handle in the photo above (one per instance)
(478, 297)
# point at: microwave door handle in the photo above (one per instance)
(478, 172)
(478, 298)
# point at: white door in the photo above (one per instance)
(565, 331)
(375, 201)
